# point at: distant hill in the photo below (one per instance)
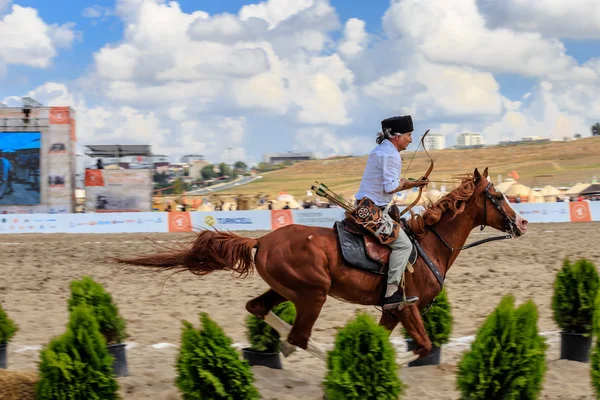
(554, 163)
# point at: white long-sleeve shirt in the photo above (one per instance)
(381, 175)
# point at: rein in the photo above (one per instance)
(510, 224)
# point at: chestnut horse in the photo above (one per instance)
(304, 264)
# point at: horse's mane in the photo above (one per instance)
(454, 202)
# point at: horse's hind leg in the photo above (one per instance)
(261, 305)
(307, 312)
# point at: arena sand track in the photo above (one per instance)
(36, 271)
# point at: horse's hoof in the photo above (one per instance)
(287, 349)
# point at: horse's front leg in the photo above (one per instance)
(410, 317)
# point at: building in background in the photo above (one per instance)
(37, 151)
(190, 158)
(469, 140)
(435, 141)
(278, 158)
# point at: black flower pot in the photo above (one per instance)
(3, 362)
(120, 359)
(270, 360)
(433, 358)
(575, 347)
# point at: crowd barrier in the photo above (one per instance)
(244, 220)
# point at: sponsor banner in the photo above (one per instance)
(180, 222)
(543, 212)
(281, 218)
(324, 217)
(595, 210)
(31, 223)
(118, 190)
(580, 211)
(59, 116)
(116, 223)
(247, 220)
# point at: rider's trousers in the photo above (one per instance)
(401, 249)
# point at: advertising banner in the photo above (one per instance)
(281, 218)
(543, 212)
(20, 168)
(180, 222)
(125, 190)
(580, 211)
(595, 210)
(324, 217)
(247, 220)
(115, 223)
(34, 223)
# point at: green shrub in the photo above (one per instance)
(438, 320)
(208, 367)
(87, 291)
(7, 327)
(575, 290)
(77, 365)
(595, 356)
(506, 360)
(362, 365)
(261, 335)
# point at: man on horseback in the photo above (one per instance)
(381, 179)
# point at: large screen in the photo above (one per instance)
(20, 168)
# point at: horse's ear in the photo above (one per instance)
(476, 174)
(485, 172)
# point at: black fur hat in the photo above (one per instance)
(402, 124)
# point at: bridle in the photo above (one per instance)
(510, 226)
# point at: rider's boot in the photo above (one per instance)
(398, 300)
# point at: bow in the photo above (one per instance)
(414, 203)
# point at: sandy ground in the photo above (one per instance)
(36, 271)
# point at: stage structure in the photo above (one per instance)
(118, 178)
(37, 159)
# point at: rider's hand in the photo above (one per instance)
(422, 182)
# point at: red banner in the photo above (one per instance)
(280, 218)
(93, 177)
(180, 222)
(580, 211)
(60, 115)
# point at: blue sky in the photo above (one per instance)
(195, 76)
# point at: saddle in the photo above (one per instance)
(361, 249)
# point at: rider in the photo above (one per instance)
(381, 179)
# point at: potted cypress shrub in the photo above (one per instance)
(208, 367)
(362, 364)
(112, 325)
(507, 357)
(595, 357)
(7, 330)
(77, 365)
(438, 325)
(264, 340)
(575, 290)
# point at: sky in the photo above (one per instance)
(236, 79)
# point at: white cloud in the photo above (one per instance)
(96, 11)
(274, 11)
(28, 40)
(355, 38)
(224, 61)
(432, 90)
(576, 19)
(324, 142)
(456, 33)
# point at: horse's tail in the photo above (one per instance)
(210, 251)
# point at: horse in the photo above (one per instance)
(304, 264)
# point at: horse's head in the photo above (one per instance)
(494, 208)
